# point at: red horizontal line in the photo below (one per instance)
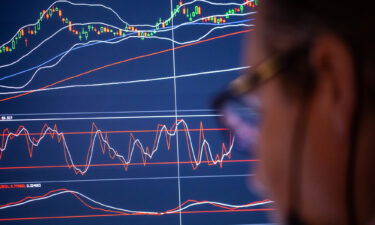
(123, 61)
(127, 131)
(121, 164)
(121, 214)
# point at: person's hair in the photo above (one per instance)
(292, 23)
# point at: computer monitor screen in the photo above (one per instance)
(106, 118)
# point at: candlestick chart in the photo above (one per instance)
(106, 113)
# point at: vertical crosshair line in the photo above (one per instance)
(176, 113)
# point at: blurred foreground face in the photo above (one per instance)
(278, 117)
(321, 184)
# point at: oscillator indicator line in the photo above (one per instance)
(147, 152)
(130, 131)
(89, 203)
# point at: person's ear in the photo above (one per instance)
(333, 65)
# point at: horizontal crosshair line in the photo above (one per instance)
(128, 179)
(126, 60)
(123, 214)
(120, 164)
(108, 112)
(112, 118)
(127, 131)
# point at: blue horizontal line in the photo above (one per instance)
(112, 39)
(129, 179)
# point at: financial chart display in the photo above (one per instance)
(106, 117)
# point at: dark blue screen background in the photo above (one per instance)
(75, 139)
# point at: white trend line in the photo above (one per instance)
(102, 138)
(202, 37)
(126, 82)
(106, 206)
(108, 25)
(117, 15)
(61, 1)
(45, 40)
(59, 60)
(116, 42)
(64, 1)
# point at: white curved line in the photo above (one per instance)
(45, 40)
(109, 25)
(117, 15)
(125, 82)
(109, 42)
(180, 209)
(59, 60)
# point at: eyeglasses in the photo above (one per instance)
(241, 109)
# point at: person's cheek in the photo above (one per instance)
(263, 170)
(274, 144)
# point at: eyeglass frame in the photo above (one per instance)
(259, 74)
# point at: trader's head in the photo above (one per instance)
(313, 65)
